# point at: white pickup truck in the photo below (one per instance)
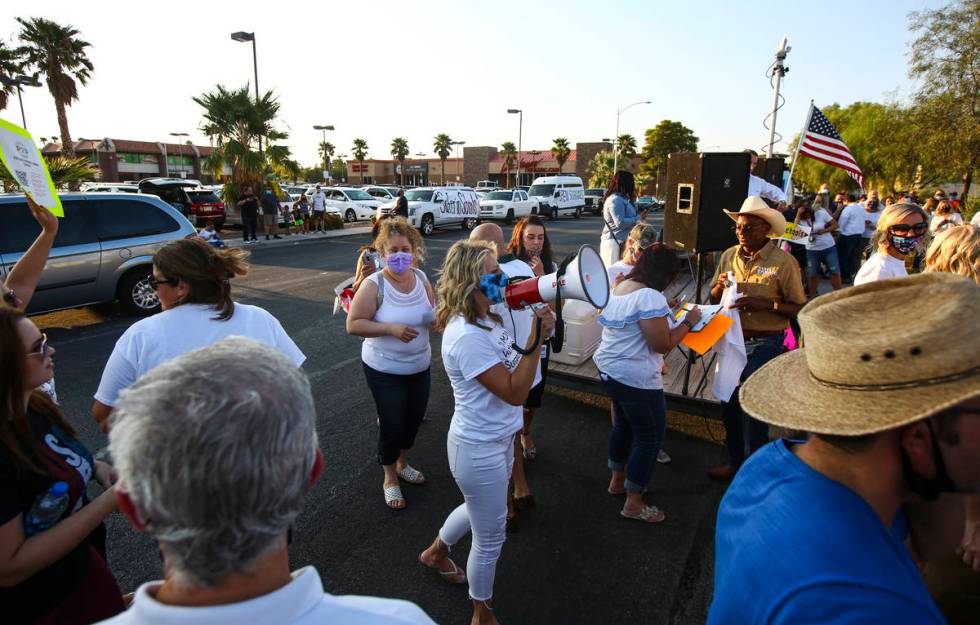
(438, 207)
(507, 204)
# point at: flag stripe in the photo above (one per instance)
(823, 143)
(828, 143)
(844, 157)
(829, 161)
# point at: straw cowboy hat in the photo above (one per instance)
(755, 205)
(878, 356)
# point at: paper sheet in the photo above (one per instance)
(708, 312)
(795, 233)
(23, 160)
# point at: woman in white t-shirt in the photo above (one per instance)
(901, 231)
(490, 381)
(396, 353)
(193, 282)
(946, 217)
(820, 247)
(636, 334)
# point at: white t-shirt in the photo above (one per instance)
(389, 354)
(618, 268)
(955, 218)
(208, 235)
(300, 602)
(623, 352)
(821, 241)
(468, 351)
(851, 220)
(869, 230)
(976, 219)
(153, 341)
(880, 266)
(319, 202)
(518, 323)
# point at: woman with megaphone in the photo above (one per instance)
(490, 381)
(636, 333)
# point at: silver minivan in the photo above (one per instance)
(103, 250)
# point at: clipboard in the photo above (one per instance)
(704, 339)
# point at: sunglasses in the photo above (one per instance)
(43, 351)
(903, 229)
(154, 282)
(746, 229)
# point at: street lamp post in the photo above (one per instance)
(343, 157)
(616, 136)
(520, 132)
(457, 144)
(325, 165)
(244, 37)
(19, 82)
(180, 153)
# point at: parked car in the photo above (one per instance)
(593, 200)
(352, 204)
(646, 202)
(438, 207)
(206, 206)
(109, 187)
(103, 250)
(484, 186)
(381, 192)
(507, 204)
(199, 204)
(558, 194)
(293, 190)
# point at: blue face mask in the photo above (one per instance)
(492, 285)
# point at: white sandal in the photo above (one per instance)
(410, 475)
(393, 494)
(649, 514)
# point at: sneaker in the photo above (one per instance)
(276, 236)
(663, 457)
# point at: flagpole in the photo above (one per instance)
(796, 154)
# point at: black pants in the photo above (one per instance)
(401, 401)
(249, 226)
(849, 251)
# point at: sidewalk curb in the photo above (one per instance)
(293, 239)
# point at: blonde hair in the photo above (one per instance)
(945, 208)
(459, 281)
(956, 250)
(891, 216)
(398, 226)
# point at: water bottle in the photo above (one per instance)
(47, 509)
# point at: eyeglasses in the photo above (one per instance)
(43, 352)
(903, 229)
(745, 229)
(155, 282)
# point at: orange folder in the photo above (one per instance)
(702, 341)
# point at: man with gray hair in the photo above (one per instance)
(216, 471)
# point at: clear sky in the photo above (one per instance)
(378, 69)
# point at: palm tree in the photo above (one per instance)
(626, 145)
(234, 122)
(359, 152)
(561, 151)
(56, 52)
(64, 171)
(443, 147)
(11, 65)
(509, 151)
(399, 152)
(326, 151)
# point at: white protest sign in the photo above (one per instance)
(24, 162)
(796, 233)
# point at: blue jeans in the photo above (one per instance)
(827, 257)
(743, 434)
(639, 421)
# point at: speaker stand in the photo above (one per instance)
(698, 285)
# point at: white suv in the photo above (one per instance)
(438, 207)
(507, 204)
(351, 204)
(558, 194)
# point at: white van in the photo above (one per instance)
(438, 207)
(558, 194)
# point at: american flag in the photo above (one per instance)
(822, 142)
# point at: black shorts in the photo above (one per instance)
(536, 393)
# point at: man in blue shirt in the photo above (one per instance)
(822, 531)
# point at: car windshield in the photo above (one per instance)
(203, 197)
(500, 195)
(542, 189)
(357, 194)
(419, 195)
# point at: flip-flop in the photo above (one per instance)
(456, 576)
(410, 475)
(393, 494)
(649, 514)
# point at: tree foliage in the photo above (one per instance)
(11, 65)
(600, 169)
(359, 152)
(509, 153)
(626, 145)
(64, 170)
(399, 152)
(666, 137)
(560, 150)
(443, 146)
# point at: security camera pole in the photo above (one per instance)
(779, 70)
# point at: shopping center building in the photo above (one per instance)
(124, 160)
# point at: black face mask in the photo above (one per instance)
(928, 488)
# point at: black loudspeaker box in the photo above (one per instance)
(699, 186)
(771, 170)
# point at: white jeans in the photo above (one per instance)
(482, 472)
(609, 251)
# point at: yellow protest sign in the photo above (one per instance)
(23, 160)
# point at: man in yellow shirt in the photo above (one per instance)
(772, 293)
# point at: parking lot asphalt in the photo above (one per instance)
(572, 560)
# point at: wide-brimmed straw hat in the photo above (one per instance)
(755, 205)
(877, 356)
